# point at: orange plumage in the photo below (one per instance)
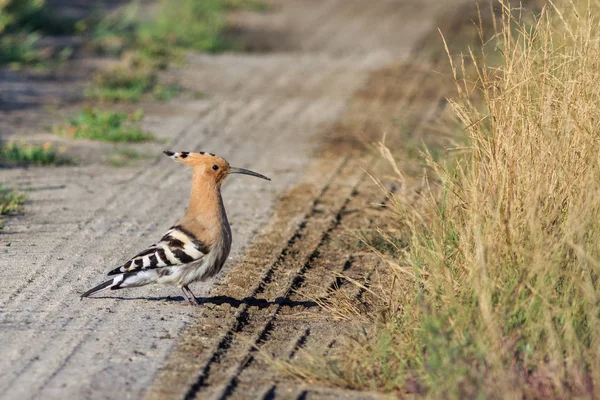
(198, 245)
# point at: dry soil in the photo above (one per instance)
(321, 77)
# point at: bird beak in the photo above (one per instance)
(233, 170)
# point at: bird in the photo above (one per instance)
(197, 246)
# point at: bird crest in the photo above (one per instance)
(198, 245)
(210, 164)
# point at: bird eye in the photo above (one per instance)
(215, 167)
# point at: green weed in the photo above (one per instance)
(121, 84)
(19, 48)
(149, 45)
(108, 126)
(124, 156)
(33, 16)
(252, 5)
(166, 92)
(113, 34)
(21, 24)
(129, 84)
(177, 25)
(185, 24)
(13, 154)
(10, 202)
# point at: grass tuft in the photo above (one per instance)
(148, 45)
(112, 34)
(177, 25)
(20, 154)
(497, 294)
(187, 24)
(129, 85)
(167, 92)
(252, 5)
(19, 48)
(11, 202)
(121, 84)
(108, 126)
(21, 24)
(123, 156)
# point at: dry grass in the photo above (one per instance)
(497, 295)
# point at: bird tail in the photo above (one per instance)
(114, 283)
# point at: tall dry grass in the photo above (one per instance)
(512, 253)
(500, 295)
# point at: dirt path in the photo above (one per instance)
(270, 300)
(270, 112)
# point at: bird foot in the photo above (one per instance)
(193, 303)
(189, 296)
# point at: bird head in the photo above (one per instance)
(210, 166)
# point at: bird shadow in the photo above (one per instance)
(219, 300)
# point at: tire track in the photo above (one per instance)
(240, 317)
(270, 333)
(296, 282)
(280, 121)
(67, 296)
(243, 318)
(52, 342)
(321, 269)
(234, 146)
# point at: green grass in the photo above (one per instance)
(184, 24)
(124, 156)
(108, 126)
(167, 92)
(252, 5)
(121, 84)
(11, 202)
(129, 85)
(22, 22)
(115, 33)
(20, 154)
(177, 25)
(19, 48)
(147, 45)
(33, 16)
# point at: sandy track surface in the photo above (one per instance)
(272, 112)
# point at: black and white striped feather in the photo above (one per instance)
(178, 246)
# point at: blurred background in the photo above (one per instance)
(430, 227)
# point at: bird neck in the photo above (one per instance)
(205, 199)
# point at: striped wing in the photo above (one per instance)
(178, 246)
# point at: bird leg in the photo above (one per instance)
(189, 296)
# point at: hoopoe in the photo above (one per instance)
(196, 247)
